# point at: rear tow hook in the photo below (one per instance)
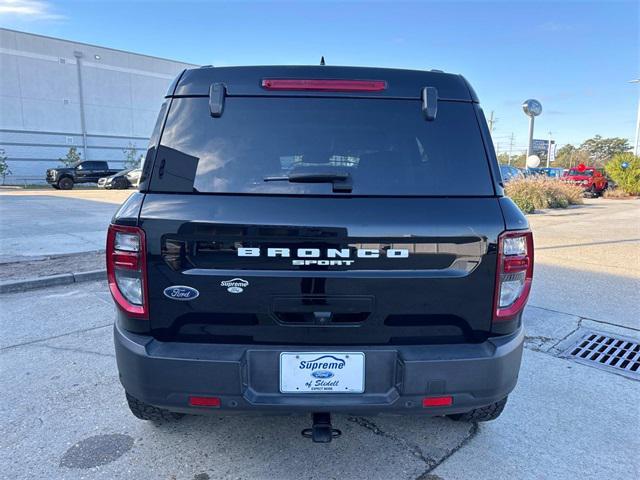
(321, 430)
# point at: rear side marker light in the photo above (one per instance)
(324, 85)
(213, 402)
(127, 270)
(446, 401)
(514, 274)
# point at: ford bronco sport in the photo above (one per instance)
(320, 240)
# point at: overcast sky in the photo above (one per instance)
(575, 57)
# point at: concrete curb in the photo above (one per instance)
(51, 281)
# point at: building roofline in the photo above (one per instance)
(99, 46)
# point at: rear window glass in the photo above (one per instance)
(384, 146)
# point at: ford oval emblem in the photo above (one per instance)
(180, 292)
(322, 374)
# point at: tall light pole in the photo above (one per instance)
(532, 108)
(636, 146)
(83, 125)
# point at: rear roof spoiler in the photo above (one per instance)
(247, 81)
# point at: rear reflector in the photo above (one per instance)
(437, 401)
(204, 402)
(324, 85)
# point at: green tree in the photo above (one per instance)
(503, 158)
(131, 157)
(627, 179)
(519, 161)
(72, 156)
(569, 156)
(4, 167)
(600, 150)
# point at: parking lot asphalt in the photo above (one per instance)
(37, 223)
(63, 412)
(588, 260)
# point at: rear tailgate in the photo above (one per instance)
(373, 271)
(404, 252)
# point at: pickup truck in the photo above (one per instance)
(87, 171)
(302, 241)
(590, 179)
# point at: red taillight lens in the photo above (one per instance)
(437, 401)
(324, 85)
(514, 274)
(127, 269)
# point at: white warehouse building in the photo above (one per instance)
(56, 94)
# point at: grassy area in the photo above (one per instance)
(542, 192)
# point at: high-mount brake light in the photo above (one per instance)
(324, 85)
(127, 269)
(514, 274)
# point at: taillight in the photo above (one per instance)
(127, 269)
(330, 85)
(513, 274)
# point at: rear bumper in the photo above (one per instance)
(246, 377)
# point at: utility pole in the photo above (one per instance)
(549, 150)
(491, 122)
(510, 147)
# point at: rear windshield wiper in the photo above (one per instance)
(341, 181)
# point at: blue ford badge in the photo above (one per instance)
(180, 292)
(322, 374)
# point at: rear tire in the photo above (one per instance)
(482, 414)
(65, 183)
(120, 184)
(144, 411)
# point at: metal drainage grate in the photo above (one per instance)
(618, 354)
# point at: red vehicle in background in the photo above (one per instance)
(589, 178)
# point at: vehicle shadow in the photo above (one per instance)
(273, 447)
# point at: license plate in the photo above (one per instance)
(321, 372)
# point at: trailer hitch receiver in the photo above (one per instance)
(321, 431)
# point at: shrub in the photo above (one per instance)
(627, 179)
(541, 192)
(4, 167)
(131, 157)
(615, 193)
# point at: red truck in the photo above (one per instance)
(589, 178)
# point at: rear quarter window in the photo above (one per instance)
(385, 146)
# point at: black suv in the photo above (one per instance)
(319, 239)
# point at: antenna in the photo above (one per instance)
(322, 60)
